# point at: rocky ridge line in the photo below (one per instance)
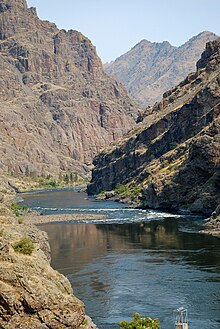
(149, 69)
(172, 157)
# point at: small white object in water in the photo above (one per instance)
(181, 321)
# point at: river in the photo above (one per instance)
(133, 261)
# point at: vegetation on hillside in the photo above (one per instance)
(66, 179)
(18, 210)
(24, 246)
(130, 191)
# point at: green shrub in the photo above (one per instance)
(17, 213)
(121, 189)
(24, 246)
(53, 183)
(17, 209)
(85, 322)
(15, 206)
(140, 323)
(66, 178)
(130, 191)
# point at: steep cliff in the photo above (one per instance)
(58, 107)
(32, 294)
(173, 155)
(149, 69)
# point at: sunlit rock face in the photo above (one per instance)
(58, 107)
(150, 68)
(32, 294)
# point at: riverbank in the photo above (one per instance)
(59, 218)
(28, 184)
(211, 226)
(32, 293)
(212, 231)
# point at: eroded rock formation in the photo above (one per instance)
(174, 153)
(32, 294)
(58, 107)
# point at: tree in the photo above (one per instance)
(66, 178)
(140, 323)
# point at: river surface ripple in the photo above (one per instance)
(134, 261)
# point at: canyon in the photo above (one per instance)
(171, 160)
(59, 110)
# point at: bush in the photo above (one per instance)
(140, 323)
(17, 213)
(24, 246)
(17, 209)
(53, 183)
(121, 189)
(130, 191)
(85, 322)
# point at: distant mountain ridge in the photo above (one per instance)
(149, 69)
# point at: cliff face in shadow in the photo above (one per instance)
(58, 107)
(149, 69)
(173, 155)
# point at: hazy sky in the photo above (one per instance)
(115, 26)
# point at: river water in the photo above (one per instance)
(133, 261)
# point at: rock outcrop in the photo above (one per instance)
(32, 294)
(173, 155)
(149, 69)
(212, 226)
(58, 107)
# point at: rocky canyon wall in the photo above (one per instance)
(58, 107)
(173, 155)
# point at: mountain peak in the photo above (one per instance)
(206, 34)
(151, 68)
(8, 4)
(202, 37)
(145, 42)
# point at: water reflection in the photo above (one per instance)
(150, 268)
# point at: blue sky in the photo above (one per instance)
(115, 26)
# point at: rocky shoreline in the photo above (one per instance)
(211, 226)
(212, 230)
(32, 294)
